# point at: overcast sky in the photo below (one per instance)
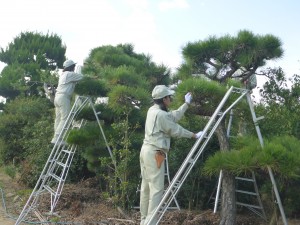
(156, 27)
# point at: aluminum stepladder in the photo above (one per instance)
(195, 152)
(167, 178)
(246, 190)
(53, 176)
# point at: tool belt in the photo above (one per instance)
(159, 157)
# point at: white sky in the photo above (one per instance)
(156, 27)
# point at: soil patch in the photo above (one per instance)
(82, 204)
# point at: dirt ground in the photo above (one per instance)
(82, 204)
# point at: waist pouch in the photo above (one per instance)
(159, 157)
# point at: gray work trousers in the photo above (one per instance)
(152, 186)
(62, 109)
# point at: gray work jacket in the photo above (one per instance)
(161, 126)
(67, 82)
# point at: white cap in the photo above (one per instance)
(68, 63)
(161, 91)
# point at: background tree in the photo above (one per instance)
(30, 57)
(220, 59)
(280, 103)
(26, 124)
(126, 78)
(27, 118)
(280, 107)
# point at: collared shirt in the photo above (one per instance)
(67, 82)
(161, 126)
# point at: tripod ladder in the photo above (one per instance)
(244, 187)
(195, 152)
(53, 176)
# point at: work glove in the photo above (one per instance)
(188, 98)
(199, 134)
(78, 69)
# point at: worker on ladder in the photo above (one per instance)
(160, 126)
(64, 92)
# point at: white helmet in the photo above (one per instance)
(161, 91)
(68, 63)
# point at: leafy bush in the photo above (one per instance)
(17, 126)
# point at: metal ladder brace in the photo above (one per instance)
(53, 176)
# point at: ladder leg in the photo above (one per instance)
(221, 173)
(255, 120)
(218, 191)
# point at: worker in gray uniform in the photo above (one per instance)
(64, 92)
(160, 126)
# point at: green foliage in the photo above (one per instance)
(10, 134)
(123, 100)
(30, 57)
(281, 154)
(279, 105)
(25, 131)
(207, 95)
(104, 113)
(32, 47)
(123, 181)
(221, 58)
(110, 63)
(91, 87)
(116, 56)
(19, 115)
(12, 81)
(285, 151)
(84, 136)
(291, 197)
(10, 170)
(35, 142)
(128, 76)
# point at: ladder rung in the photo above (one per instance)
(39, 192)
(55, 176)
(248, 205)
(244, 179)
(177, 184)
(61, 164)
(260, 118)
(67, 151)
(48, 188)
(191, 161)
(246, 192)
(172, 208)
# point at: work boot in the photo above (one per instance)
(55, 139)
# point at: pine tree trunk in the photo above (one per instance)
(228, 203)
